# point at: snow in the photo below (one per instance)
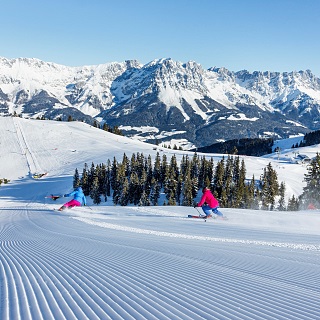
(241, 116)
(112, 262)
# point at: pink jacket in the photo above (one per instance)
(208, 197)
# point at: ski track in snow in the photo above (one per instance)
(55, 266)
(25, 149)
(193, 237)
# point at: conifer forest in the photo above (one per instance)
(141, 180)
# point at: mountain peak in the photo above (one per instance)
(177, 99)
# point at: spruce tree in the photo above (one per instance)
(85, 180)
(124, 196)
(228, 180)
(144, 200)
(113, 173)
(311, 192)
(179, 190)
(219, 177)
(107, 182)
(134, 189)
(170, 186)
(154, 192)
(76, 179)
(194, 166)
(95, 192)
(126, 165)
(241, 188)
(281, 203)
(157, 168)
(118, 184)
(270, 187)
(293, 204)
(250, 194)
(187, 198)
(164, 169)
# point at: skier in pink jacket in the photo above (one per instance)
(209, 203)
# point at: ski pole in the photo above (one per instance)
(198, 211)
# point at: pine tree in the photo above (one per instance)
(164, 169)
(223, 197)
(143, 187)
(139, 164)
(311, 192)
(202, 172)
(250, 194)
(157, 168)
(170, 186)
(270, 187)
(76, 179)
(187, 199)
(155, 192)
(107, 182)
(91, 174)
(293, 204)
(94, 192)
(240, 186)
(179, 190)
(174, 167)
(228, 180)
(219, 177)
(105, 127)
(194, 166)
(184, 165)
(144, 200)
(126, 165)
(149, 175)
(118, 184)
(113, 173)
(134, 188)
(281, 203)
(104, 180)
(85, 180)
(124, 196)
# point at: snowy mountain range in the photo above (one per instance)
(165, 100)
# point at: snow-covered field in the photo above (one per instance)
(111, 262)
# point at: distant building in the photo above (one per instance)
(301, 158)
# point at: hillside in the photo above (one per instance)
(36, 146)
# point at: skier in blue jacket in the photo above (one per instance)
(78, 200)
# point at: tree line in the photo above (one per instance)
(140, 180)
(246, 146)
(311, 192)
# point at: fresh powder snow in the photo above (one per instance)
(113, 262)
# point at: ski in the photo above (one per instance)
(198, 217)
(53, 197)
(205, 217)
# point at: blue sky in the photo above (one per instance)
(273, 35)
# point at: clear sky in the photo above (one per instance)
(273, 35)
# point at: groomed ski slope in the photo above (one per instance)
(111, 262)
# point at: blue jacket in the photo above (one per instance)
(78, 195)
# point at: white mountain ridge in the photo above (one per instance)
(118, 92)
